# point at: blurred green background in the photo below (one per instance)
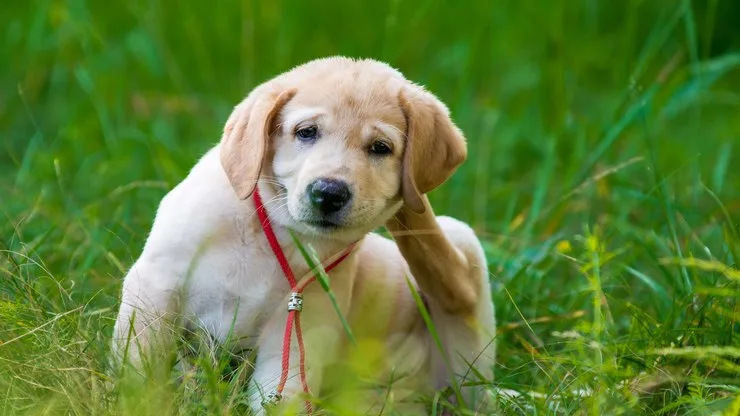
(603, 139)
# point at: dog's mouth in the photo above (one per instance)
(323, 224)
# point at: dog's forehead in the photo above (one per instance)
(353, 93)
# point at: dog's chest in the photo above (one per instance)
(231, 295)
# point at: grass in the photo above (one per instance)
(602, 177)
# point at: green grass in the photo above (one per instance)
(602, 177)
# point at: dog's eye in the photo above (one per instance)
(380, 148)
(307, 133)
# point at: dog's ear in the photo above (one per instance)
(435, 147)
(246, 136)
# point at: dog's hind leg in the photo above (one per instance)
(448, 263)
(468, 340)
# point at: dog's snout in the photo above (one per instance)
(328, 195)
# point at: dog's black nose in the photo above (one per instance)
(328, 195)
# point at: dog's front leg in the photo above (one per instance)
(318, 343)
(144, 331)
(322, 335)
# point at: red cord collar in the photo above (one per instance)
(295, 304)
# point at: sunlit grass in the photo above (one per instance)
(601, 177)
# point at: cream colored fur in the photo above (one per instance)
(207, 260)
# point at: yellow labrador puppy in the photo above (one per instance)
(334, 149)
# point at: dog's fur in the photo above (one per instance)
(208, 261)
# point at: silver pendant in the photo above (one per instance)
(295, 303)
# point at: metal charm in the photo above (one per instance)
(271, 400)
(295, 303)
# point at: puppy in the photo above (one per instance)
(334, 148)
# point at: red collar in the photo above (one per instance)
(295, 303)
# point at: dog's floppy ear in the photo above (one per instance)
(435, 147)
(246, 135)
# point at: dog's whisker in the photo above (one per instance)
(396, 129)
(276, 200)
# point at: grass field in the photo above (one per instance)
(602, 176)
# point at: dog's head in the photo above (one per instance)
(343, 143)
